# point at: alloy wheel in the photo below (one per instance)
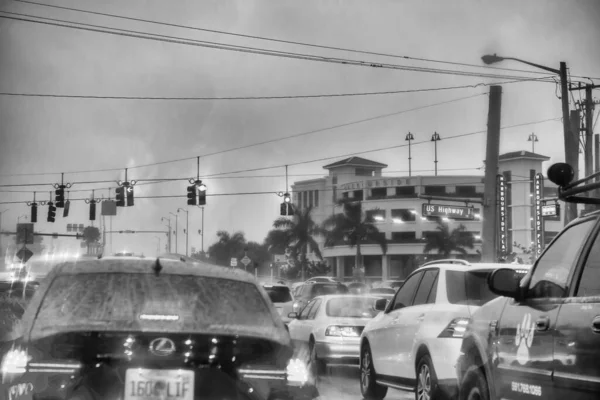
(424, 383)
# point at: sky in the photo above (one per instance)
(42, 137)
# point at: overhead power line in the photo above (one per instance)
(275, 40)
(300, 96)
(243, 49)
(306, 161)
(262, 142)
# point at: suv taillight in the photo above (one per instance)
(455, 329)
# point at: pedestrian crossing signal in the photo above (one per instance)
(34, 212)
(202, 195)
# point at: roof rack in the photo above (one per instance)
(447, 261)
(561, 174)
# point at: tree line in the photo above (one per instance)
(295, 237)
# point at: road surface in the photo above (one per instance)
(342, 383)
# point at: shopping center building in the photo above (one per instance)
(397, 206)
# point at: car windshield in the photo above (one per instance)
(145, 302)
(351, 307)
(468, 287)
(279, 294)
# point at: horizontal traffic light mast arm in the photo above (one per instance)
(132, 231)
(455, 199)
(77, 235)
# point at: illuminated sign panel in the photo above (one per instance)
(551, 210)
(538, 189)
(502, 227)
(454, 212)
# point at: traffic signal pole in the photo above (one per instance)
(488, 232)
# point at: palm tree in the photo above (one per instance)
(446, 241)
(228, 246)
(300, 231)
(355, 227)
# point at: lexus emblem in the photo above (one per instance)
(162, 347)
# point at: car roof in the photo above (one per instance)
(266, 284)
(467, 266)
(146, 266)
(350, 296)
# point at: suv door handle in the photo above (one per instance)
(596, 324)
(421, 317)
(542, 324)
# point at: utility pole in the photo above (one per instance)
(490, 205)
(597, 161)
(203, 230)
(187, 228)
(573, 156)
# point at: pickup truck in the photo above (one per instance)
(542, 339)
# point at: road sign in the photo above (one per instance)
(24, 254)
(453, 212)
(550, 210)
(233, 262)
(25, 233)
(246, 260)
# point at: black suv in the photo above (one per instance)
(542, 340)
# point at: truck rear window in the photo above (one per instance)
(468, 287)
(279, 294)
(145, 302)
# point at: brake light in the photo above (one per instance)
(15, 361)
(343, 331)
(455, 329)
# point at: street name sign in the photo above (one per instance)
(454, 212)
(246, 260)
(233, 262)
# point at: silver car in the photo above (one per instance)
(328, 329)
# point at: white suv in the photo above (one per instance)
(414, 344)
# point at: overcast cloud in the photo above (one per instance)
(53, 135)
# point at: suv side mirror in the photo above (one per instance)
(381, 304)
(505, 282)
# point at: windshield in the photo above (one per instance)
(468, 287)
(279, 294)
(145, 302)
(351, 307)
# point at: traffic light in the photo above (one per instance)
(202, 194)
(192, 195)
(51, 212)
(129, 196)
(60, 197)
(286, 206)
(33, 212)
(93, 211)
(120, 196)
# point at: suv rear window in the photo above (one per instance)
(325, 289)
(279, 294)
(145, 302)
(468, 287)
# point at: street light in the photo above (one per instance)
(533, 138)
(157, 246)
(176, 232)
(435, 138)
(168, 226)
(409, 138)
(187, 228)
(571, 139)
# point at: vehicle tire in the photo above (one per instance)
(474, 386)
(427, 382)
(369, 388)
(317, 366)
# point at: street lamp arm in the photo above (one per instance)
(492, 59)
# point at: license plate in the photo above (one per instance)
(159, 384)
